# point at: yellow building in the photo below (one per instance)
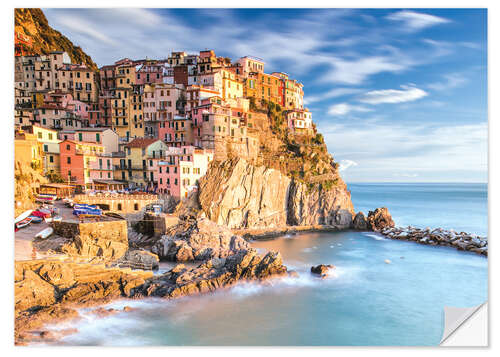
(232, 86)
(138, 153)
(28, 150)
(50, 147)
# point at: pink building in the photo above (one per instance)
(179, 173)
(149, 73)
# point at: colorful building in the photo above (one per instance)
(179, 173)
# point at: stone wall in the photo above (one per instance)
(161, 222)
(106, 239)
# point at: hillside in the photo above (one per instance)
(44, 39)
(291, 181)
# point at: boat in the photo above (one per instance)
(45, 198)
(23, 215)
(40, 214)
(36, 219)
(48, 219)
(23, 223)
(57, 219)
(45, 233)
(86, 210)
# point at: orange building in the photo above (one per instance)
(76, 160)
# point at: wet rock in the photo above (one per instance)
(379, 219)
(322, 269)
(439, 236)
(198, 239)
(139, 259)
(360, 222)
(245, 265)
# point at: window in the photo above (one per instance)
(51, 158)
(39, 135)
(45, 148)
(80, 136)
(136, 206)
(119, 207)
(68, 160)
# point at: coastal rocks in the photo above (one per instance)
(360, 222)
(439, 236)
(306, 207)
(379, 219)
(238, 194)
(199, 239)
(91, 247)
(139, 259)
(213, 274)
(322, 269)
(33, 292)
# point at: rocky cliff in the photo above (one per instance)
(291, 180)
(26, 181)
(237, 194)
(44, 39)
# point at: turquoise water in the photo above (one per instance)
(365, 302)
(462, 207)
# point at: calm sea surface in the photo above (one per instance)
(366, 302)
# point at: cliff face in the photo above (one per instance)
(25, 184)
(291, 180)
(238, 194)
(44, 39)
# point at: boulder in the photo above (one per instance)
(379, 219)
(140, 259)
(360, 223)
(321, 269)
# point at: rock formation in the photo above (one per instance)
(44, 39)
(213, 274)
(360, 222)
(197, 239)
(439, 236)
(26, 181)
(379, 219)
(238, 194)
(322, 269)
(46, 291)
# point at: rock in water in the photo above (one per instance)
(380, 219)
(321, 269)
(360, 223)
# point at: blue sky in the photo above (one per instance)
(399, 94)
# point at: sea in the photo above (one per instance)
(364, 302)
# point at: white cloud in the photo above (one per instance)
(358, 70)
(405, 175)
(451, 80)
(407, 94)
(383, 149)
(345, 108)
(334, 93)
(415, 21)
(345, 164)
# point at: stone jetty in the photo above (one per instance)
(439, 236)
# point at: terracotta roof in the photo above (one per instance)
(141, 142)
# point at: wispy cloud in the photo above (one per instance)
(407, 94)
(450, 81)
(333, 93)
(345, 164)
(345, 108)
(358, 70)
(416, 21)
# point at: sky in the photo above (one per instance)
(400, 95)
